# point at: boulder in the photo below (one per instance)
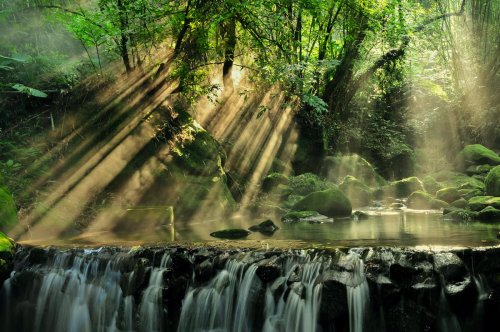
(330, 202)
(478, 170)
(359, 215)
(492, 182)
(266, 227)
(457, 214)
(234, 233)
(358, 193)
(448, 195)
(431, 185)
(489, 214)
(273, 180)
(8, 210)
(404, 187)
(268, 269)
(337, 167)
(460, 203)
(480, 202)
(420, 200)
(476, 154)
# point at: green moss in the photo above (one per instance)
(449, 194)
(330, 202)
(404, 187)
(358, 193)
(480, 202)
(492, 182)
(431, 185)
(306, 183)
(478, 169)
(460, 215)
(296, 216)
(6, 243)
(476, 154)
(489, 214)
(273, 180)
(8, 210)
(460, 203)
(422, 201)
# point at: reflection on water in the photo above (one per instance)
(382, 228)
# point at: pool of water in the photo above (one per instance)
(382, 228)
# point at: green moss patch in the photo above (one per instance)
(331, 203)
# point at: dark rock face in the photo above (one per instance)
(407, 289)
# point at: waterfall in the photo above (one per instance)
(357, 292)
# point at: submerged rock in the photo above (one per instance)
(234, 233)
(331, 203)
(492, 182)
(266, 227)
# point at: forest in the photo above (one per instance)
(177, 142)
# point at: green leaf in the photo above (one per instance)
(10, 163)
(29, 91)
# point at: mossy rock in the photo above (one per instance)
(448, 195)
(358, 193)
(459, 214)
(476, 154)
(489, 214)
(469, 193)
(478, 170)
(431, 185)
(8, 210)
(266, 227)
(296, 216)
(462, 181)
(492, 182)
(199, 153)
(7, 245)
(232, 233)
(420, 200)
(460, 203)
(404, 187)
(307, 183)
(273, 180)
(330, 202)
(480, 202)
(338, 167)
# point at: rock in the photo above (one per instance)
(307, 183)
(359, 215)
(338, 167)
(476, 154)
(431, 185)
(404, 187)
(478, 170)
(492, 182)
(460, 203)
(455, 277)
(489, 214)
(330, 202)
(266, 227)
(358, 193)
(135, 282)
(231, 233)
(268, 269)
(480, 202)
(204, 271)
(397, 206)
(448, 195)
(7, 247)
(456, 214)
(273, 180)
(423, 201)
(8, 210)
(305, 216)
(469, 193)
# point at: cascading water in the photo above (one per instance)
(184, 290)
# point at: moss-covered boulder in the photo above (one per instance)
(476, 154)
(307, 183)
(461, 203)
(489, 214)
(469, 193)
(492, 182)
(478, 170)
(431, 185)
(420, 200)
(273, 180)
(456, 214)
(404, 187)
(335, 168)
(358, 193)
(448, 195)
(8, 210)
(293, 217)
(480, 202)
(330, 202)
(232, 233)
